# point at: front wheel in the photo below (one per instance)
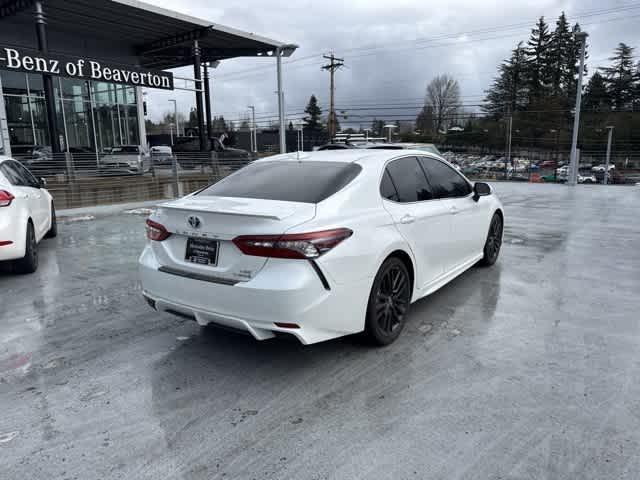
(388, 302)
(494, 241)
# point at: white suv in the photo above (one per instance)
(26, 215)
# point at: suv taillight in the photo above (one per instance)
(156, 231)
(295, 245)
(5, 198)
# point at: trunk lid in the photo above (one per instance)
(222, 219)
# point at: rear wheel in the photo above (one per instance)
(493, 242)
(53, 231)
(28, 263)
(388, 302)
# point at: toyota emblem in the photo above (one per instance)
(194, 222)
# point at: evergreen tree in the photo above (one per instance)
(596, 98)
(620, 77)
(560, 47)
(509, 91)
(312, 120)
(537, 63)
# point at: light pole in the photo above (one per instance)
(254, 135)
(573, 170)
(171, 133)
(389, 126)
(175, 114)
(606, 163)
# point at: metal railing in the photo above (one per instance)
(86, 179)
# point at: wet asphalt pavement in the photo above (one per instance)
(527, 370)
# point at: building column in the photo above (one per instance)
(142, 126)
(197, 74)
(207, 99)
(5, 140)
(49, 98)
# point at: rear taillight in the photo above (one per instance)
(156, 231)
(5, 198)
(295, 245)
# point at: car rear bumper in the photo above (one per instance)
(284, 292)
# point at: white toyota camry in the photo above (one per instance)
(320, 244)
(26, 215)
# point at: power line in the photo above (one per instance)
(335, 64)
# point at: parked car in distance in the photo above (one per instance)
(587, 179)
(27, 215)
(187, 150)
(129, 158)
(344, 245)
(602, 168)
(548, 164)
(162, 155)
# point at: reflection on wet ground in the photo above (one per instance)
(528, 369)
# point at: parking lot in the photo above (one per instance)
(526, 370)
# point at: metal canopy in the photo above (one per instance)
(160, 38)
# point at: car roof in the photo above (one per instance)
(355, 155)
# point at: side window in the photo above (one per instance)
(409, 180)
(9, 171)
(27, 178)
(387, 188)
(446, 182)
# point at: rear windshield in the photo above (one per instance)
(307, 182)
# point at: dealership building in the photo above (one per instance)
(72, 72)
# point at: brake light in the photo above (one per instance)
(156, 231)
(295, 245)
(5, 198)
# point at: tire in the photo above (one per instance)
(28, 263)
(388, 303)
(53, 231)
(494, 241)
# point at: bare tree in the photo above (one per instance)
(443, 98)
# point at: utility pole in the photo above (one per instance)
(606, 164)
(573, 170)
(335, 64)
(252, 131)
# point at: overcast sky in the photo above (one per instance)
(391, 48)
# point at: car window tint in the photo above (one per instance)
(409, 180)
(27, 177)
(13, 175)
(387, 188)
(446, 182)
(307, 182)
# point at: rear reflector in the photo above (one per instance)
(156, 231)
(4, 243)
(5, 198)
(295, 245)
(287, 325)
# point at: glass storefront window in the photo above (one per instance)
(111, 121)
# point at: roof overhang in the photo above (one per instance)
(160, 38)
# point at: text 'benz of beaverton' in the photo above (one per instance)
(319, 245)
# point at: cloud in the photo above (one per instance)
(391, 49)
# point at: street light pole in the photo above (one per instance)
(573, 170)
(606, 164)
(283, 142)
(175, 116)
(254, 136)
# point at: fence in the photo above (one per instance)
(544, 166)
(87, 179)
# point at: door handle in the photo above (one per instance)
(407, 219)
(454, 210)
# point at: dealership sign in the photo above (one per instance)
(86, 69)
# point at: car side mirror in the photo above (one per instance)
(481, 189)
(43, 182)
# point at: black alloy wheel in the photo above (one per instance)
(494, 241)
(28, 263)
(388, 302)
